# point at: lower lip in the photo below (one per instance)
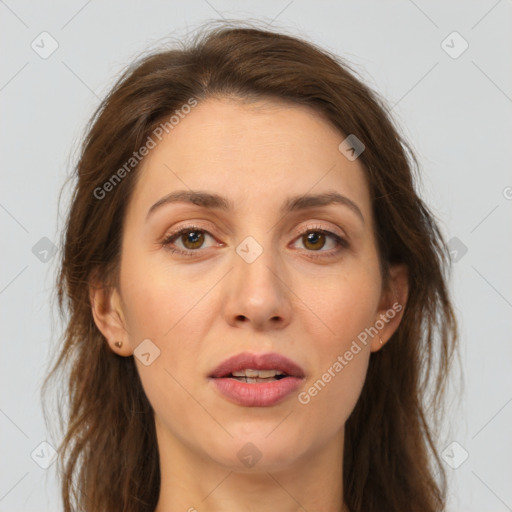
(256, 394)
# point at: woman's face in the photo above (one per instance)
(261, 270)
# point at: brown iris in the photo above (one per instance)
(196, 238)
(313, 238)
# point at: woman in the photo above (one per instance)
(257, 296)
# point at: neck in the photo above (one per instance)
(193, 481)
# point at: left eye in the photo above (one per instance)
(192, 238)
(315, 239)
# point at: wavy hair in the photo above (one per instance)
(108, 458)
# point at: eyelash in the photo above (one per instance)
(310, 229)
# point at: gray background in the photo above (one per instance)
(455, 110)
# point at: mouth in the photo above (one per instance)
(249, 367)
(257, 380)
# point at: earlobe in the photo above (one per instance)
(108, 317)
(392, 305)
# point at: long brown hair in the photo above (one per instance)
(108, 458)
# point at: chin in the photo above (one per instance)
(257, 453)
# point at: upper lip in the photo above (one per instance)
(268, 361)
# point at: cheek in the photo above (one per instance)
(340, 363)
(344, 306)
(158, 299)
(341, 305)
(172, 308)
(165, 307)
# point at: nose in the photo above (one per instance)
(258, 293)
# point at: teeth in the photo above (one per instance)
(261, 374)
(254, 381)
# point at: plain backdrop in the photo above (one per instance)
(444, 67)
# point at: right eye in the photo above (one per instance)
(192, 236)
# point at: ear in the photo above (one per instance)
(108, 316)
(391, 306)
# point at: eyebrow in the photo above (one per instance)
(292, 204)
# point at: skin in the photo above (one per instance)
(199, 310)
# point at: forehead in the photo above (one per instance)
(256, 153)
